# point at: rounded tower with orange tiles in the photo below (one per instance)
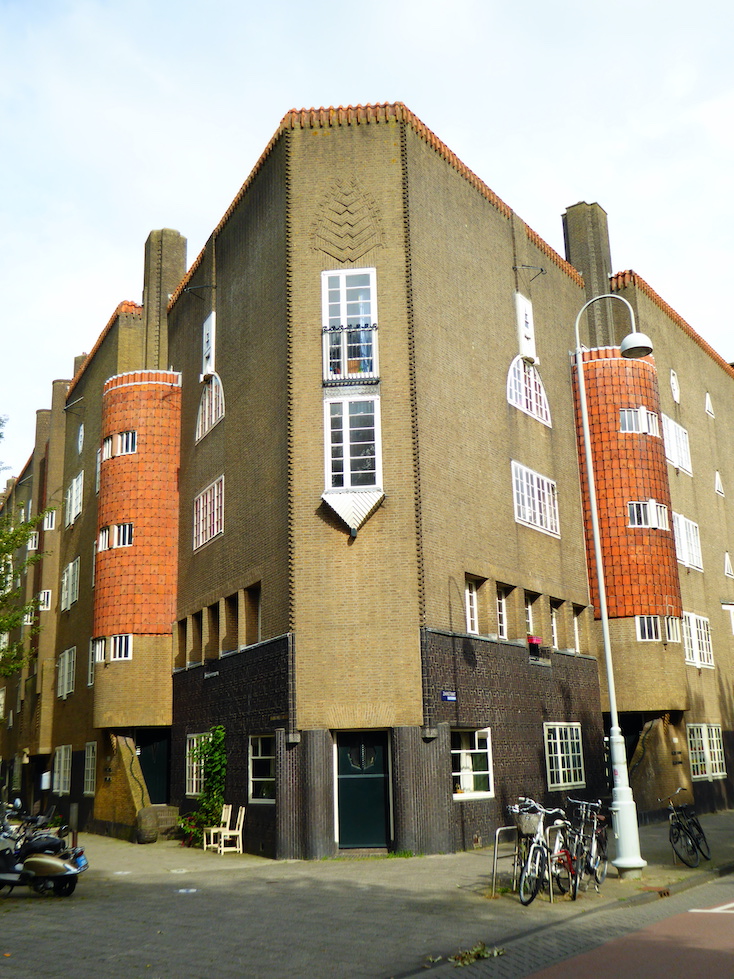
(633, 493)
(136, 560)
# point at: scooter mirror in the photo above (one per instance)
(17, 804)
(63, 831)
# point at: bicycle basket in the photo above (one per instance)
(527, 822)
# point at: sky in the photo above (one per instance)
(121, 116)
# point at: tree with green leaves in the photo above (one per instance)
(14, 560)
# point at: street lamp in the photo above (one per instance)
(628, 860)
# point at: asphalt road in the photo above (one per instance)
(164, 912)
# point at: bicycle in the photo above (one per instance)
(591, 827)
(539, 861)
(686, 833)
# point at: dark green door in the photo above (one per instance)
(363, 796)
(153, 754)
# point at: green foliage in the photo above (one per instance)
(212, 755)
(14, 537)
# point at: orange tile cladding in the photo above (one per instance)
(640, 563)
(135, 586)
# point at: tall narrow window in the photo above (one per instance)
(709, 406)
(123, 535)
(73, 499)
(718, 485)
(353, 459)
(194, 764)
(555, 610)
(66, 669)
(62, 770)
(211, 406)
(687, 542)
(471, 602)
(677, 446)
(90, 768)
(262, 768)
(648, 628)
(502, 630)
(350, 325)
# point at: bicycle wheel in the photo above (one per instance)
(531, 878)
(683, 845)
(602, 860)
(560, 874)
(699, 837)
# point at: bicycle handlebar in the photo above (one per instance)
(681, 788)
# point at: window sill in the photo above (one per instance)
(472, 796)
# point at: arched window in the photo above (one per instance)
(211, 406)
(525, 390)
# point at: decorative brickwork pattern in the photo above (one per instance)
(640, 562)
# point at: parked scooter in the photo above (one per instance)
(38, 859)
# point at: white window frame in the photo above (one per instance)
(350, 348)
(709, 406)
(62, 770)
(677, 445)
(49, 520)
(672, 628)
(70, 584)
(104, 539)
(123, 535)
(209, 513)
(471, 605)
(106, 448)
(127, 442)
(525, 391)
(66, 671)
(675, 387)
(74, 498)
(261, 769)
(121, 647)
(502, 630)
(564, 755)
(647, 628)
(211, 406)
(639, 421)
(697, 644)
(687, 542)
(32, 544)
(90, 663)
(471, 760)
(706, 752)
(44, 600)
(99, 645)
(648, 513)
(728, 569)
(718, 484)
(536, 500)
(341, 448)
(90, 768)
(97, 470)
(194, 765)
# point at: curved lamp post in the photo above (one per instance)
(628, 860)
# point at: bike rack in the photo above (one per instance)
(498, 832)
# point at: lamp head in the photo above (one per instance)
(636, 345)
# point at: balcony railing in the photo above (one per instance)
(350, 353)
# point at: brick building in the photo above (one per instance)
(374, 506)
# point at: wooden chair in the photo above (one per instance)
(211, 833)
(233, 835)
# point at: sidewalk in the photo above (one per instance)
(374, 917)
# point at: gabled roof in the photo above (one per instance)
(124, 307)
(621, 280)
(364, 115)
